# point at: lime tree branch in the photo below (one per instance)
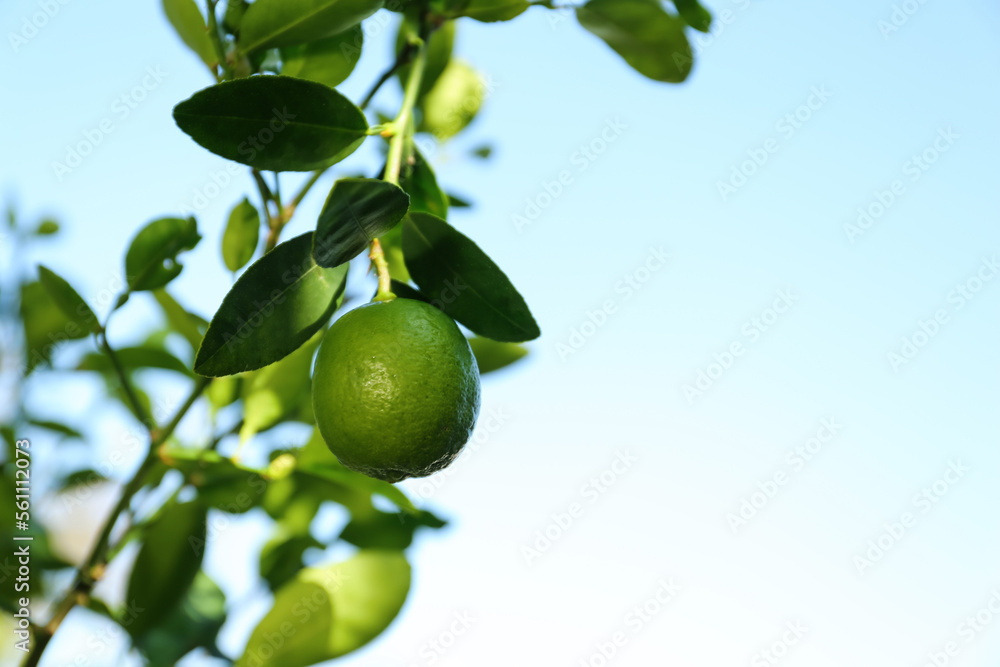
(92, 569)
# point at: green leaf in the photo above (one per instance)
(276, 392)
(463, 281)
(133, 358)
(490, 10)
(276, 306)
(694, 14)
(187, 20)
(483, 152)
(190, 326)
(68, 300)
(281, 557)
(492, 355)
(86, 477)
(45, 325)
(351, 603)
(239, 241)
(453, 101)
(328, 61)
(439, 48)
(233, 18)
(46, 228)
(151, 261)
(418, 180)
(357, 211)
(168, 561)
(275, 23)
(404, 291)
(455, 201)
(274, 123)
(224, 391)
(194, 623)
(640, 31)
(56, 427)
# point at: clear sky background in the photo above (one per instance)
(878, 100)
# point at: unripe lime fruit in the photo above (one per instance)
(395, 389)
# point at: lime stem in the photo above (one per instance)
(384, 292)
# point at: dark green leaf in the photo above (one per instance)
(381, 530)
(190, 326)
(489, 10)
(281, 557)
(239, 241)
(457, 202)
(86, 477)
(169, 559)
(439, 49)
(351, 604)
(187, 20)
(492, 355)
(328, 61)
(235, 11)
(357, 211)
(694, 14)
(45, 325)
(483, 152)
(463, 282)
(643, 33)
(56, 427)
(276, 306)
(194, 623)
(151, 261)
(275, 123)
(453, 101)
(404, 291)
(418, 180)
(275, 23)
(68, 300)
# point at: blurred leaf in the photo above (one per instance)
(489, 10)
(133, 358)
(694, 14)
(439, 48)
(46, 228)
(328, 61)
(281, 557)
(233, 18)
(221, 483)
(457, 202)
(45, 324)
(56, 427)
(87, 477)
(239, 241)
(418, 180)
(483, 152)
(274, 392)
(188, 325)
(643, 33)
(386, 530)
(351, 604)
(274, 123)
(463, 281)
(224, 391)
(357, 211)
(189, 23)
(453, 101)
(492, 355)
(68, 299)
(275, 23)
(276, 306)
(151, 261)
(170, 557)
(194, 623)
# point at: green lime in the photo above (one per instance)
(395, 389)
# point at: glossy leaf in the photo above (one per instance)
(492, 355)
(68, 300)
(439, 49)
(490, 10)
(190, 26)
(453, 101)
(694, 14)
(169, 559)
(194, 623)
(643, 33)
(151, 261)
(357, 211)
(328, 61)
(276, 23)
(463, 281)
(274, 123)
(418, 180)
(239, 241)
(45, 325)
(351, 603)
(276, 306)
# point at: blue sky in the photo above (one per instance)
(870, 106)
